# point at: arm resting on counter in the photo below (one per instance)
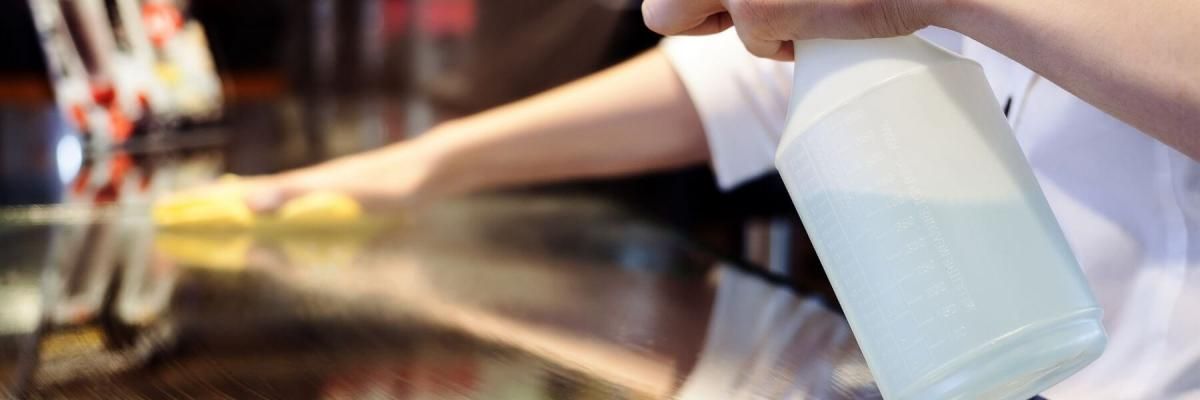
(634, 117)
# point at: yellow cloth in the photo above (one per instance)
(224, 207)
(219, 208)
(214, 228)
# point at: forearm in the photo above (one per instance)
(1137, 60)
(634, 117)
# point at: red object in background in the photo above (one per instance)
(143, 101)
(79, 117)
(395, 17)
(162, 19)
(111, 191)
(81, 180)
(120, 166)
(104, 94)
(106, 195)
(122, 127)
(448, 17)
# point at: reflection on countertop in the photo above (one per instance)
(489, 297)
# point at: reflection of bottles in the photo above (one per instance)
(84, 267)
(102, 300)
(183, 64)
(949, 265)
(147, 279)
(117, 70)
(85, 259)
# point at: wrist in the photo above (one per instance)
(956, 15)
(437, 155)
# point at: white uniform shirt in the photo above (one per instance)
(1129, 205)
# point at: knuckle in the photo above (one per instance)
(757, 50)
(754, 15)
(759, 47)
(752, 11)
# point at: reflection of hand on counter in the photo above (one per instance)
(214, 227)
(216, 251)
(402, 288)
(238, 250)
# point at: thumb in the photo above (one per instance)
(268, 195)
(672, 17)
(262, 200)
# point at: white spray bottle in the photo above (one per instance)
(952, 271)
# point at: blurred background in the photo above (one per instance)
(297, 82)
(649, 286)
(633, 287)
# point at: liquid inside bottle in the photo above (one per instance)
(946, 258)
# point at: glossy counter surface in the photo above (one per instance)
(495, 297)
(492, 297)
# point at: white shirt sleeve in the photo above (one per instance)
(741, 99)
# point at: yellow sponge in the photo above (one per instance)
(219, 208)
(224, 207)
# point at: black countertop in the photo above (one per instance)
(488, 297)
(559, 294)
